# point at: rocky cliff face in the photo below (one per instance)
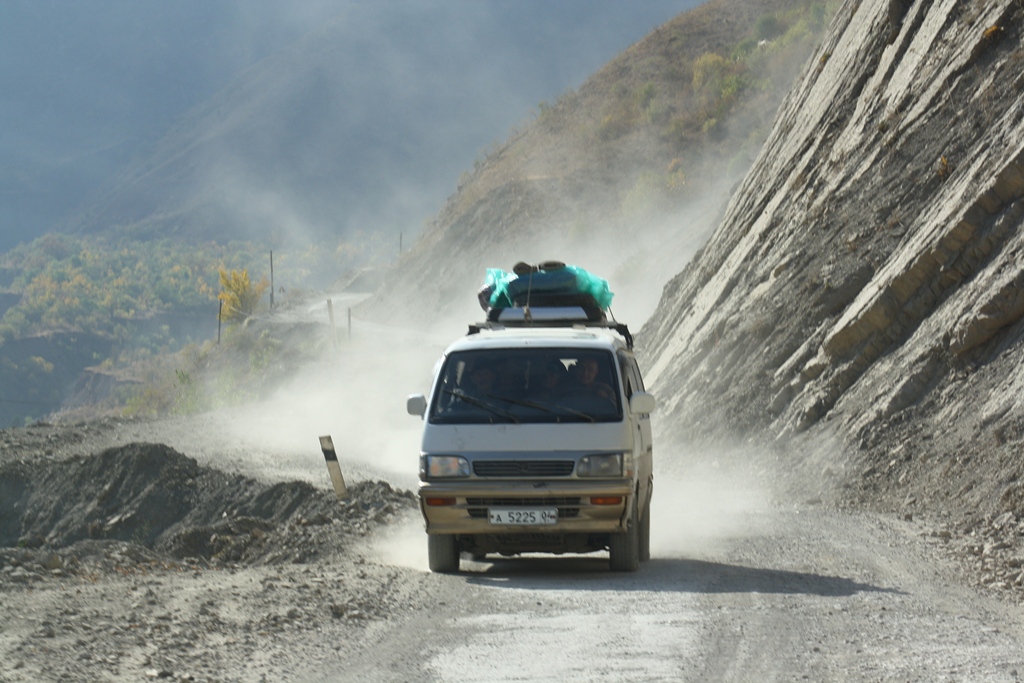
(867, 280)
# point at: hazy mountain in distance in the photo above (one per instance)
(87, 83)
(315, 116)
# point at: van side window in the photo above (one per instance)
(636, 371)
(630, 368)
(627, 375)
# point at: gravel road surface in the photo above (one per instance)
(809, 595)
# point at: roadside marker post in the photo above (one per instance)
(334, 330)
(331, 456)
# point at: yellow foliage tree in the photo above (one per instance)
(239, 294)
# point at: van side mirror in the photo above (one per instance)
(416, 404)
(641, 402)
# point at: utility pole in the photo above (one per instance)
(334, 330)
(271, 279)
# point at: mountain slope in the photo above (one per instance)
(865, 283)
(319, 153)
(623, 176)
(360, 128)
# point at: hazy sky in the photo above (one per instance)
(88, 84)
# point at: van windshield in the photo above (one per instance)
(532, 385)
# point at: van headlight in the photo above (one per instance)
(600, 465)
(443, 467)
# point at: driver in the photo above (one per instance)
(482, 378)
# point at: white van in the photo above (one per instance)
(537, 438)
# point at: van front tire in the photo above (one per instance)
(624, 549)
(442, 553)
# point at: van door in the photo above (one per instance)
(641, 424)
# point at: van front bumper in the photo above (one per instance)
(467, 512)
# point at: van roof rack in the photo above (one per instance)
(550, 316)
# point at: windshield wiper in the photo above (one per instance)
(549, 408)
(472, 400)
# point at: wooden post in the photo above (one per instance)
(330, 314)
(271, 279)
(220, 310)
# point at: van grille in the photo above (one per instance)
(523, 468)
(567, 507)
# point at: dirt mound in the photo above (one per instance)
(156, 505)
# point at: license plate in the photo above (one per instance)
(529, 516)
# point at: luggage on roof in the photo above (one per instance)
(550, 284)
(551, 294)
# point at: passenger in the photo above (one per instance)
(584, 380)
(549, 385)
(512, 378)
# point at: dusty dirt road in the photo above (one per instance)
(807, 594)
(744, 584)
(742, 587)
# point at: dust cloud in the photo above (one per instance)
(639, 260)
(403, 545)
(702, 501)
(356, 394)
(698, 508)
